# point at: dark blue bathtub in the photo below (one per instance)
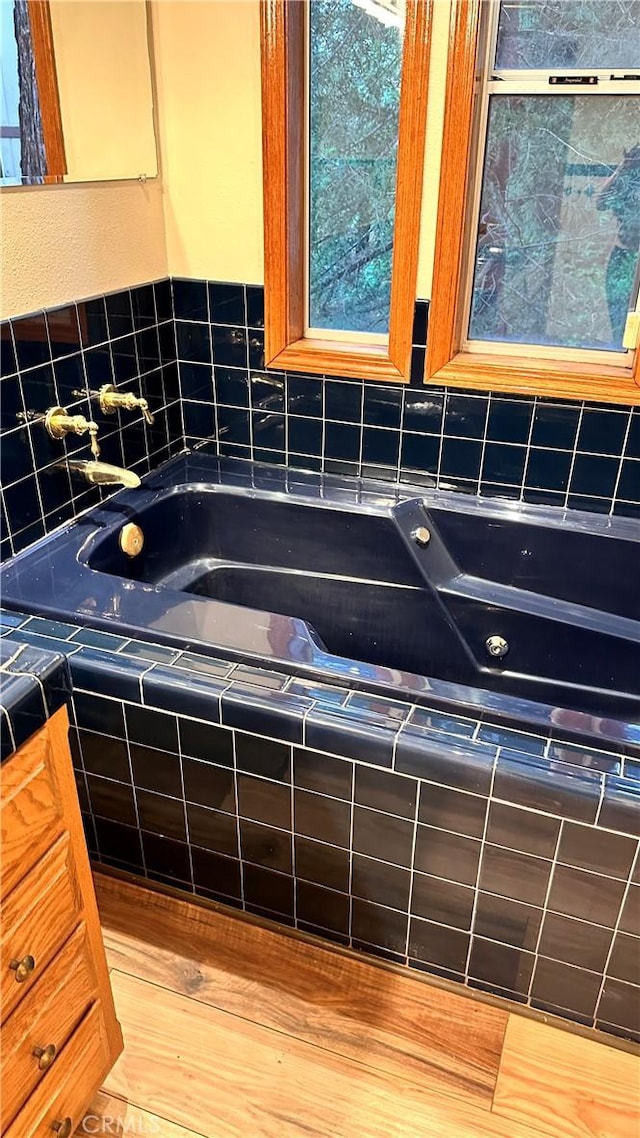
(333, 577)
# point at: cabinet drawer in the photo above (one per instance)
(64, 1098)
(44, 1020)
(35, 921)
(30, 809)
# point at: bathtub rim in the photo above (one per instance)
(330, 490)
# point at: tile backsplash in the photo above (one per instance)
(557, 452)
(195, 350)
(59, 357)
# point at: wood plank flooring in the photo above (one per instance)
(234, 1029)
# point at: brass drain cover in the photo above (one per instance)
(131, 539)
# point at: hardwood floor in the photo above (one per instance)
(233, 1029)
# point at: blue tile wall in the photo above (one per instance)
(195, 350)
(506, 861)
(58, 357)
(557, 452)
(476, 878)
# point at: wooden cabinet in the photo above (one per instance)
(59, 1033)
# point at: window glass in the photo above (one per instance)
(355, 59)
(541, 34)
(559, 224)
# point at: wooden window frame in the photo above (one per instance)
(283, 134)
(445, 362)
(48, 92)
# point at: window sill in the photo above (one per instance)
(334, 357)
(518, 376)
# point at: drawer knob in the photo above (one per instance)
(23, 968)
(45, 1055)
(63, 1127)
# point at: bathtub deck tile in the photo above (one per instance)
(317, 691)
(49, 643)
(584, 757)
(272, 713)
(45, 627)
(620, 806)
(632, 769)
(540, 784)
(350, 735)
(260, 677)
(94, 638)
(439, 721)
(515, 740)
(154, 653)
(206, 665)
(392, 709)
(165, 689)
(450, 761)
(11, 619)
(120, 677)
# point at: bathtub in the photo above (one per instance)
(474, 602)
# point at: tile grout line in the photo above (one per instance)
(352, 818)
(573, 457)
(483, 843)
(545, 909)
(623, 450)
(616, 929)
(412, 867)
(238, 833)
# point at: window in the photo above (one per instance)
(31, 143)
(541, 157)
(353, 83)
(344, 86)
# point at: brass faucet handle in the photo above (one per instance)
(147, 414)
(93, 435)
(59, 423)
(111, 399)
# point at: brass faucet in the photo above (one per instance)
(59, 423)
(103, 473)
(110, 400)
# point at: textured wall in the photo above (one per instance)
(64, 242)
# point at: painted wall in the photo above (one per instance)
(104, 80)
(207, 59)
(62, 243)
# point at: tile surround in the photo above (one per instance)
(195, 350)
(438, 869)
(555, 452)
(58, 357)
(505, 860)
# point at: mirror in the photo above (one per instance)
(77, 95)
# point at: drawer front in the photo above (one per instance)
(35, 920)
(30, 809)
(34, 1036)
(61, 1100)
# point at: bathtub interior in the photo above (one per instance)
(325, 576)
(349, 576)
(562, 598)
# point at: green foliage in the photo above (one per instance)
(559, 228)
(569, 33)
(354, 97)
